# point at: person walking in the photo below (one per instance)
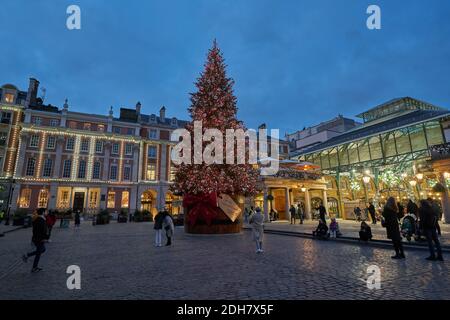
(168, 226)
(158, 228)
(77, 219)
(428, 220)
(322, 212)
(438, 213)
(257, 223)
(40, 235)
(390, 215)
(301, 213)
(371, 209)
(292, 212)
(50, 220)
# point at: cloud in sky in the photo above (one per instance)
(295, 63)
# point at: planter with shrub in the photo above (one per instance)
(19, 217)
(103, 217)
(123, 216)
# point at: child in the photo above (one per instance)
(334, 228)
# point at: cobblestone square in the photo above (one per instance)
(119, 261)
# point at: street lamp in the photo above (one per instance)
(366, 179)
(303, 189)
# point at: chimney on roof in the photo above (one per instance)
(162, 114)
(33, 88)
(262, 126)
(138, 108)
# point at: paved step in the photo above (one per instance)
(387, 244)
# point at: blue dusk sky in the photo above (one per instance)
(296, 63)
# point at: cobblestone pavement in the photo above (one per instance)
(348, 228)
(118, 261)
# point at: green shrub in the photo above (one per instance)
(20, 213)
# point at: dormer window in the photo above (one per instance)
(153, 118)
(9, 98)
(37, 121)
(174, 122)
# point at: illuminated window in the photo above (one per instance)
(151, 171)
(113, 172)
(125, 199)
(51, 142)
(67, 168)
(152, 152)
(111, 199)
(101, 128)
(9, 98)
(93, 200)
(34, 141)
(70, 143)
(47, 170)
(128, 149)
(43, 198)
(173, 171)
(127, 173)
(115, 148)
(84, 147)
(99, 146)
(63, 198)
(96, 170)
(82, 169)
(31, 164)
(25, 197)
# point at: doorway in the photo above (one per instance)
(78, 202)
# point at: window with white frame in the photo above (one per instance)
(34, 141)
(152, 118)
(25, 197)
(54, 122)
(153, 134)
(151, 171)
(111, 199)
(84, 147)
(47, 170)
(6, 117)
(152, 152)
(51, 142)
(96, 170)
(115, 148)
(101, 127)
(99, 146)
(70, 143)
(113, 172)
(9, 98)
(117, 130)
(128, 149)
(127, 173)
(125, 199)
(37, 121)
(82, 169)
(31, 164)
(67, 168)
(174, 122)
(87, 126)
(43, 198)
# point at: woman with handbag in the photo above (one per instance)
(168, 227)
(390, 222)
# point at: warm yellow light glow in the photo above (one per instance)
(419, 176)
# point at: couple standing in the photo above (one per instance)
(163, 220)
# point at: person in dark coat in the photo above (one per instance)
(77, 219)
(438, 213)
(40, 235)
(390, 215)
(365, 232)
(401, 211)
(158, 228)
(412, 208)
(322, 212)
(428, 225)
(293, 213)
(371, 209)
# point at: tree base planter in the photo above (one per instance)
(220, 225)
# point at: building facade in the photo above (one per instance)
(389, 155)
(61, 159)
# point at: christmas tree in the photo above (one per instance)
(214, 104)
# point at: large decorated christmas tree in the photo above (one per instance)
(206, 186)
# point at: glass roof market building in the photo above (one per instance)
(382, 157)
